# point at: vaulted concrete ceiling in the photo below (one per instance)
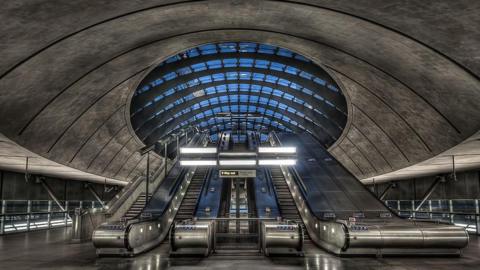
(409, 71)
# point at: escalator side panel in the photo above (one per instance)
(210, 197)
(265, 196)
(163, 194)
(343, 193)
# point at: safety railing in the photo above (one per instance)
(29, 215)
(460, 212)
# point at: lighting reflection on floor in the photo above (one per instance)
(52, 250)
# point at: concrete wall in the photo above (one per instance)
(467, 186)
(13, 186)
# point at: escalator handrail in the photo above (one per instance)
(176, 183)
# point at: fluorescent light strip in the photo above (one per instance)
(238, 162)
(277, 162)
(234, 154)
(198, 150)
(198, 163)
(279, 150)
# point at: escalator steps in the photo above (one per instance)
(287, 206)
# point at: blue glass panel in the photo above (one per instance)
(318, 97)
(266, 49)
(306, 75)
(231, 62)
(319, 81)
(170, 76)
(246, 62)
(247, 47)
(284, 82)
(258, 76)
(283, 52)
(261, 64)
(199, 67)
(331, 87)
(277, 66)
(214, 64)
(307, 91)
(277, 93)
(271, 79)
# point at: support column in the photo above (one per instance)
(477, 216)
(430, 209)
(413, 209)
(95, 195)
(3, 219)
(147, 179)
(385, 192)
(2, 205)
(429, 192)
(29, 210)
(49, 216)
(66, 213)
(178, 146)
(450, 210)
(166, 159)
(50, 193)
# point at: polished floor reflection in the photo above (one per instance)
(52, 250)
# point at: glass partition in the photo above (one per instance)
(26, 215)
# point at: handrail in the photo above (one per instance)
(127, 191)
(36, 213)
(173, 190)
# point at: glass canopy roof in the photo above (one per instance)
(286, 92)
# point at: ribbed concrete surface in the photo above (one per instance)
(409, 68)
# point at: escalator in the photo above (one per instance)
(286, 203)
(192, 196)
(137, 207)
(145, 230)
(342, 216)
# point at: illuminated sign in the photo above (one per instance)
(238, 173)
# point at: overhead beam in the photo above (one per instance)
(222, 124)
(309, 67)
(333, 130)
(334, 97)
(319, 132)
(333, 114)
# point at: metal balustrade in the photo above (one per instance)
(29, 215)
(460, 212)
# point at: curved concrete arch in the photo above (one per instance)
(389, 71)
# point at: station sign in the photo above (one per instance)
(238, 173)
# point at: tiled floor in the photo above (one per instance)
(52, 250)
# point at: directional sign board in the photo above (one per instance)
(238, 173)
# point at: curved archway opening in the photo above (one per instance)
(238, 87)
